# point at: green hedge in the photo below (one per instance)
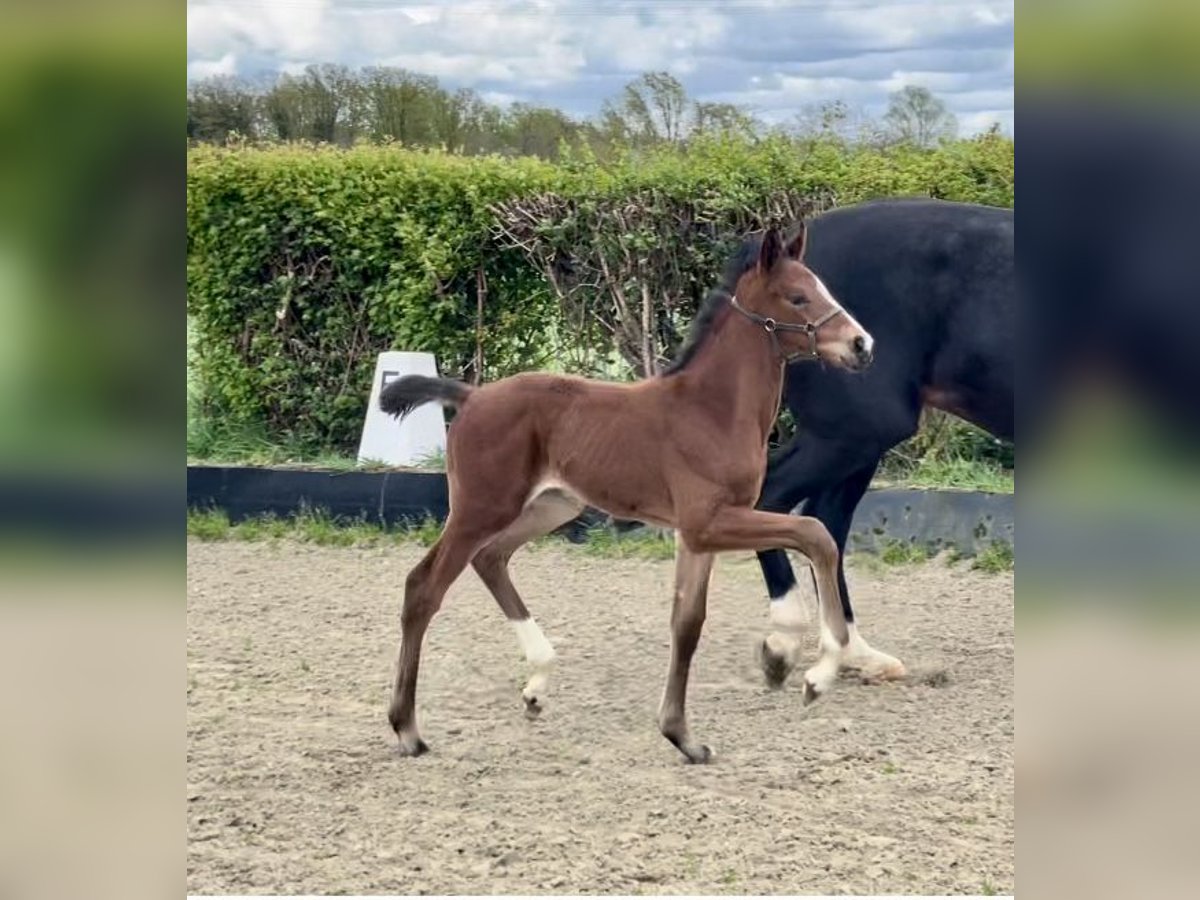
(304, 263)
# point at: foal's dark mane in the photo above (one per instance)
(717, 301)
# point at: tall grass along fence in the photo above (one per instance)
(305, 262)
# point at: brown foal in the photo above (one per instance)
(685, 450)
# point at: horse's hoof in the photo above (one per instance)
(875, 670)
(811, 692)
(776, 666)
(412, 746)
(871, 665)
(533, 708)
(696, 754)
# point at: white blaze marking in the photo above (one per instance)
(828, 297)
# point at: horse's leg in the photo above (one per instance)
(804, 469)
(748, 529)
(540, 516)
(787, 482)
(692, 572)
(780, 652)
(836, 509)
(423, 592)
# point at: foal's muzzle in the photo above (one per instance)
(864, 353)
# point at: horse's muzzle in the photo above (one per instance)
(864, 352)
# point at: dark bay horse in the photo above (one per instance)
(686, 450)
(934, 282)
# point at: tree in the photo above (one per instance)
(399, 104)
(652, 108)
(839, 121)
(536, 130)
(915, 116)
(723, 118)
(218, 107)
(454, 117)
(316, 106)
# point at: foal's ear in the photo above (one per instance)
(771, 250)
(795, 247)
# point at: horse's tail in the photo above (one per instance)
(405, 394)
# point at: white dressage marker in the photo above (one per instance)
(420, 435)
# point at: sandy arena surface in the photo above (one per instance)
(293, 785)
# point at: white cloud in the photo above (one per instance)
(976, 122)
(291, 28)
(775, 55)
(207, 68)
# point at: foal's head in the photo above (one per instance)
(807, 320)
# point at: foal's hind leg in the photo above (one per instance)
(541, 515)
(692, 571)
(423, 592)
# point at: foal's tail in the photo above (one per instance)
(405, 394)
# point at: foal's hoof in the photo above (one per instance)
(412, 746)
(775, 666)
(695, 754)
(533, 708)
(812, 693)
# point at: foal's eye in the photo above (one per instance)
(799, 300)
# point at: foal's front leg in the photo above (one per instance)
(692, 571)
(737, 528)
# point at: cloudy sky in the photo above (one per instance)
(773, 56)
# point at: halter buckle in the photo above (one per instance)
(769, 325)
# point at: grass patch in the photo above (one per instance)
(947, 452)
(211, 440)
(208, 525)
(426, 532)
(637, 544)
(435, 461)
(995, 558)
(902, 553)
(310, 527)
(319, 528)
(957, 473)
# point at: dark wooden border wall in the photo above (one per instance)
(965, 520)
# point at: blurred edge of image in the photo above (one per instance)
(1108, 100)
(91, 282)
(91, 275)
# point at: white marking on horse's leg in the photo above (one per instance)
(792, 612)
(540, 655)
(821, 676)
(872, 663)
(792, 619)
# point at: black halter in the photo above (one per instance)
(770, 326)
